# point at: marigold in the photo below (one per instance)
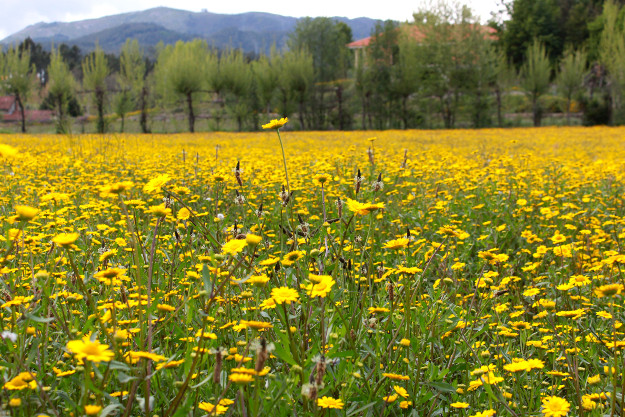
(233, 246)
(554, 406)
(329, 402)
(90, 350)
(276, 123)
(65, 240)
(284, 295)
(156, 184)
(26, 213)
(363, 208)
(400, 243)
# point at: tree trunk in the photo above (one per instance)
(22, 112)
(537, 113)
(191, 115)
(404, 111)
(99, 98)
(301, 114)
(60, 122)
(143, 120)
(568, 111)
(339, 97)
(499, 105)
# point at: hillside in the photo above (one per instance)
(252, 32)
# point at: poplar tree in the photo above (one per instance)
(61, 87)
(95, 71)
(16, 78)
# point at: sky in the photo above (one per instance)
(17, 14)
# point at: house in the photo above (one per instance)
(360, 46)
(10, 112)
(7, 105)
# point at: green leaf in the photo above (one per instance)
(31, 316)
(360, 410)
(206, 278)
(109, 409)
(125, 378)
(442, 386)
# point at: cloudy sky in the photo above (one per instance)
(17, 14)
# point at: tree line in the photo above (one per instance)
(443, 68)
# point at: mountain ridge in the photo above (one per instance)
(254, 32)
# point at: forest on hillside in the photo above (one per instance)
(534, 61)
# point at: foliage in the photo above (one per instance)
(17, 78)
(571, 75)
(179, 71)
(95, 71)
(61, 89)
(535, 76)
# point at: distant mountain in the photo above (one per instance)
(253, 32)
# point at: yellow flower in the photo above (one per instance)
(284, 295)
(91, 351)
(160, 210)
(210, 408)
(322, 284)
(259, 280)
(155, 184)
(133, 357)
(404, 342)
(363, 208)
(401, 391)
(115, 188)
(276, 123)
(321, 179)
(183, 214)
(292, 257)
(608, 290)
(554, 406)
(234, 246)
(92, 410)
(329, 402)
(252, 239)
(459, 405)
(22, 381)
(15, 402)
(7, 151)
(397, 243)
(65, 240)
(26, 213)
(396, 377)
(241, 379)
(390, 398)
(258, 325)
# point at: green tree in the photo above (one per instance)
(570, 78)
(216, 82)
(535, 75)
(504, 77)
(17, 78)
(237, 81)
(326, 40)
(453, 53)
(612, 56)
(61, 86)
(266, 78)
(533, 20)
(296, 75)
(180, 70)
(132, 83)
(95, 71)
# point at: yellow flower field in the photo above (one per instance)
(468, 273)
